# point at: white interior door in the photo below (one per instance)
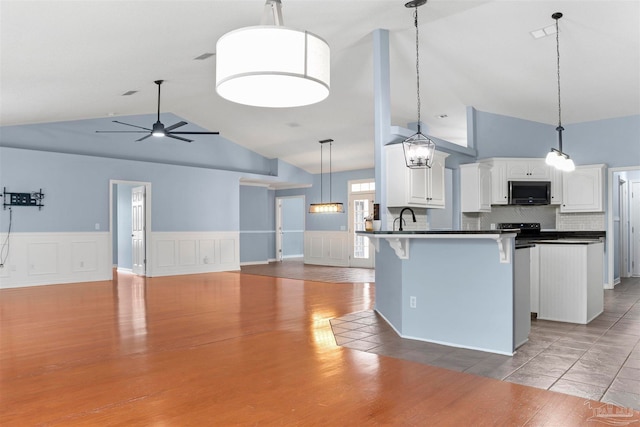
(279, 229)
(138, 230)
(635, 227)
(360, 248)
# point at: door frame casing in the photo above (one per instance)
(610, 280)
(350, 197)
(147, 222)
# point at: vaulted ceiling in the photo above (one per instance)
(74, 60)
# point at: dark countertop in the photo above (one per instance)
(558, 234)
(567, 242)
(405, 232)
(525, 245)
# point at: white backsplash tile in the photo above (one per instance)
(580, 221)
(408, 224)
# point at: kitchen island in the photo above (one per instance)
(455, 288)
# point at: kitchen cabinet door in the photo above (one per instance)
(582, 189)
(556, 186)
(499, 187)
(475, 187)
(435, 181)
(527, 170)
(421, 188)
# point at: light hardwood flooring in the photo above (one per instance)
(229, 349)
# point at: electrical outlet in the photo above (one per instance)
(412, 302)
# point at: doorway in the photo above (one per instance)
(130, 219)
(361, 197)
(623, 225)
(290, 225)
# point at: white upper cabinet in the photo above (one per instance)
(421, 188)
(527, 170)
(556, 186)
(475, 187)
(499, 187)
(582, 189)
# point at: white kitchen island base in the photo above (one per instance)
(571, 281)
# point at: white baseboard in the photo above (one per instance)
(254, 263)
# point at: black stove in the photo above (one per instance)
(528, 230)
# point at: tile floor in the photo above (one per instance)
(598, 361)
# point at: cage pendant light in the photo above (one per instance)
(556, 157)
(329, 207)
(272, 65)
(418, 148)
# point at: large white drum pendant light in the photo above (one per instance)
(272, 65)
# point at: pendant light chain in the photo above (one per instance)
(415, 19)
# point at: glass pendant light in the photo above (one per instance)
(418, 148)
(556, 157)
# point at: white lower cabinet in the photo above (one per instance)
(583, 189)
(475, 187)
(421, 188)
(571, 282)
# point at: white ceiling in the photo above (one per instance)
(72, 60)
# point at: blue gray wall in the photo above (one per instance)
(293, 213)
(76, 191)
(615, 142)
(257, 224)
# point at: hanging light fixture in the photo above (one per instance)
(418, 148)
(558, 158)
(272, 65)
(329, 207)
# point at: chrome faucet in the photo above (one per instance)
(412, 215)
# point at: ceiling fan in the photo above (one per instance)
(158, 129)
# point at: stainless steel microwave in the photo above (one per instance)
(529, 192)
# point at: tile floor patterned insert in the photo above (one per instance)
(598, 361)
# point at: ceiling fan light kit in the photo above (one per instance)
(158, 129)
(272, 65)
(418, 148)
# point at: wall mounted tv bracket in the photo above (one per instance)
(22, 199)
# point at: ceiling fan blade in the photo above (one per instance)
(174, 126)
(143, 138)
(177, 137)
(122, 131)
(195, 133)
(135, 126)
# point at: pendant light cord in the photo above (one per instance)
(415, 20)
(558, 57)
(321, 175)
(330, 183)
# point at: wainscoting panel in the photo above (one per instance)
(53, 258)
(175, 253)
(326, 248)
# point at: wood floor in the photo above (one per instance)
(231, 349)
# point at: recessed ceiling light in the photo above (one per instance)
(442, 116)
(129, 92)
(204, 56)
(111, 114)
